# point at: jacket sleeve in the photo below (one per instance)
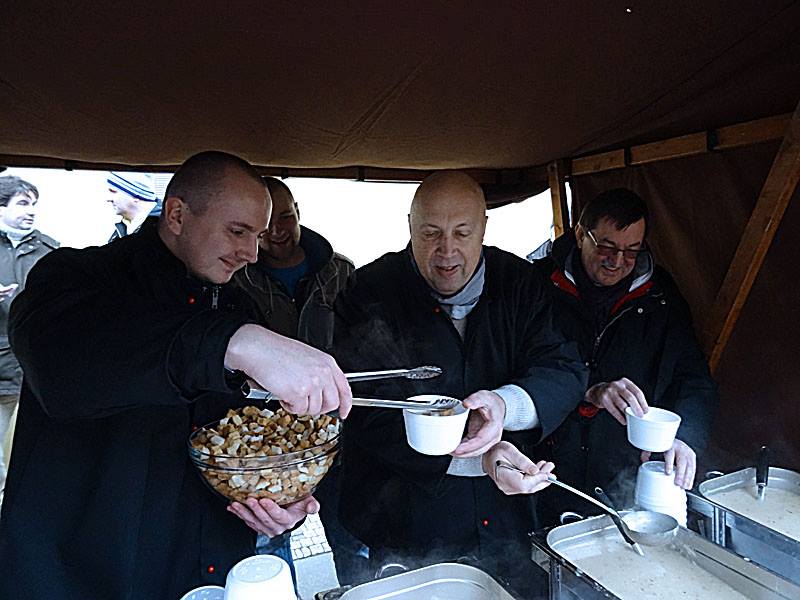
(365, 338)
(547, 366)
(691, 390)
(89, 352)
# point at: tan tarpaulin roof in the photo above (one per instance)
(387, 84)
(486, 85)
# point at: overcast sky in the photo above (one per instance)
(361, 220)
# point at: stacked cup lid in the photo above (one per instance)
(261, 577)
(656, 491)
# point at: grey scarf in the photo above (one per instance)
(459, 305)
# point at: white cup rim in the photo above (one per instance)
(655, 416)
(203, 588)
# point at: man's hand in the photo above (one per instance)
(485, 424)
(511, 482)
(684, 460)
(307, 381)
(616, 396)
(267, 518)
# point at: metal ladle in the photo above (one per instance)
(626, 533)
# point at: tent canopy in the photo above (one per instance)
(391, 90)
(383, 84)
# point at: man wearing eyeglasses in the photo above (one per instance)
(634, 332)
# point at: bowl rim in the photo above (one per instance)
(202, 457)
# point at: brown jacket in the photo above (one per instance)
(308, 316)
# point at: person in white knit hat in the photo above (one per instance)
(133, 197)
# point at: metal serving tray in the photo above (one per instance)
(568, 582)
(443, 581)
(745, 536)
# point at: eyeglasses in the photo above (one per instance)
(612, 251)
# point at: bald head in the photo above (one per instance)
(448, 191)
(447, 221)
(202, 179)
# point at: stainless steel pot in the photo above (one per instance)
(555, 550)
(444, 581)
(742, 533)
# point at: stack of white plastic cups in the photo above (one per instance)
(656, 491)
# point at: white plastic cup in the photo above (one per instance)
(207, 592)
(654, 431)
(656, 491)
(258, 578)
(654, 484)
(430, 432)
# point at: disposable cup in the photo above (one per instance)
(654, 431)
(654, 484)
(434, 432)
(656, 491)
(260, 577)
(207, 592)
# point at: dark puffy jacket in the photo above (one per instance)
(309, 315)
(388, 319)
(650, 340)
(123, 353)
(15, 264)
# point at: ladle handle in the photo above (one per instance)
(762, 472)
(618, 522)
(598, 491)
(587, 497)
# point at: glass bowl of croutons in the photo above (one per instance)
(258, 453)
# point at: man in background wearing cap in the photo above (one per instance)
(133, 197)
(20, 247)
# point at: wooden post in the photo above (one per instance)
(558, 196)
(756, 239)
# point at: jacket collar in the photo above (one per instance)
(154, 250)
(565, 250)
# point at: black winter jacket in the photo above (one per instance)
(122, 354)
(648, 339)
(393, 497)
